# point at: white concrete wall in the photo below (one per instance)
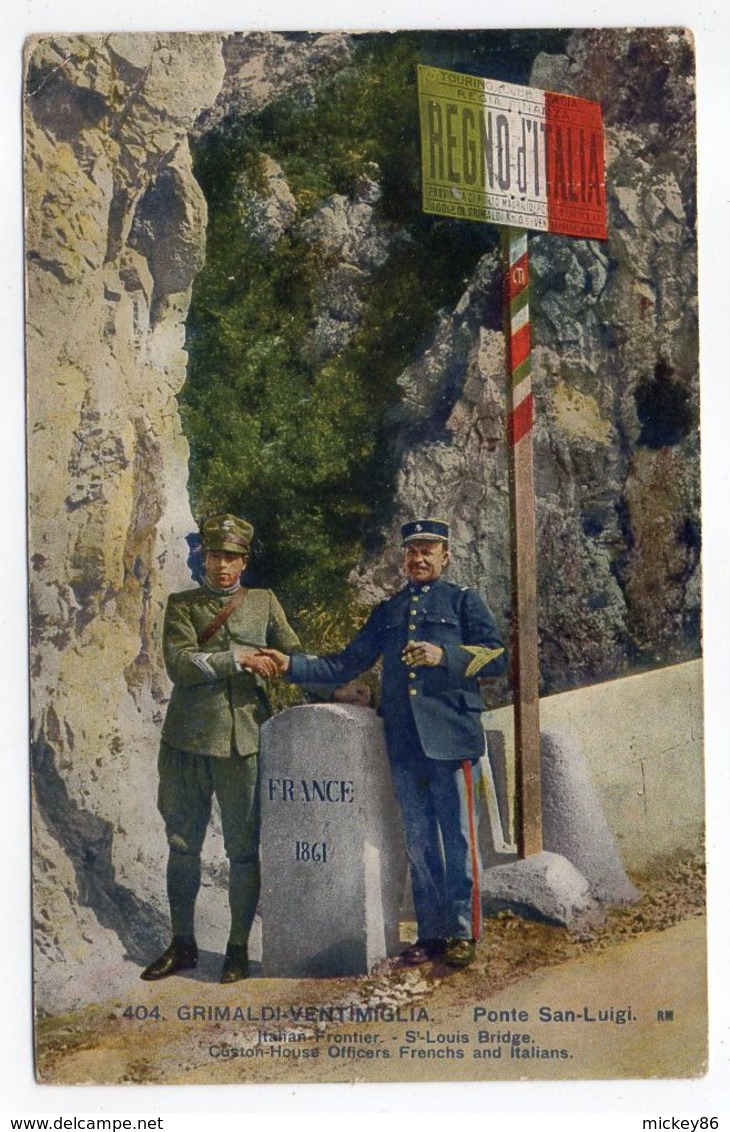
(642, 740)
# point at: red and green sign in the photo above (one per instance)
(512, 155)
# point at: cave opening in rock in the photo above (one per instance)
(663, 407)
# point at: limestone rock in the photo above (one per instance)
(262, 66)
(356, 242)
(115, 228)
(266, 209)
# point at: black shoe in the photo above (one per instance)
(422, 951)
(460, 952)
(181, 955)
(235, 964)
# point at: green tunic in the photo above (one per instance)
(217, 709)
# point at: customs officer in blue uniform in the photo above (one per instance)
(436, 639)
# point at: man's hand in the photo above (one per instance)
(358, 694)
(280, 660)
(419, 653)
(260, 665)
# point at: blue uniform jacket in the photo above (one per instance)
(443, 702)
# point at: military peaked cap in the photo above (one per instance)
(226, 532)
(428, 529)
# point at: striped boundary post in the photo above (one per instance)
(524, 564)
(520, 369)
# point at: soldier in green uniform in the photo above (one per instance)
(210, 737)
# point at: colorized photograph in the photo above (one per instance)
(364, 556)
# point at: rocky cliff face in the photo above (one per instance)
(115, 233)
(616, 386)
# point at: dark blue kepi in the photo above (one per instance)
(425, 529)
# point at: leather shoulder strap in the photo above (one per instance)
(222, 616)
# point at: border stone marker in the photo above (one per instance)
(574, 823)
(580, 870)
(332, 853)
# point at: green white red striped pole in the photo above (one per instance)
(520, 418)
(524, 564)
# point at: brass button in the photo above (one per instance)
(414, 613)
(415, 597)
(413, 691)
(411, 675)
(411, 626)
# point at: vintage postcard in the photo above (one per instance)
(364, 537)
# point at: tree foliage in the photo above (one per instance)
(297, 444)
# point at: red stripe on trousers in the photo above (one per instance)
(476, 906)
(521, 420)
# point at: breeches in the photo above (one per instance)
(185, 797)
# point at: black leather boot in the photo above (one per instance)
(422, 951)
(235, 964)
(181, 955)
(460, 952)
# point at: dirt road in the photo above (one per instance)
(627, 1000)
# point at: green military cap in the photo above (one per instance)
(226, 532)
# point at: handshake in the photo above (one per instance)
(271, 664)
